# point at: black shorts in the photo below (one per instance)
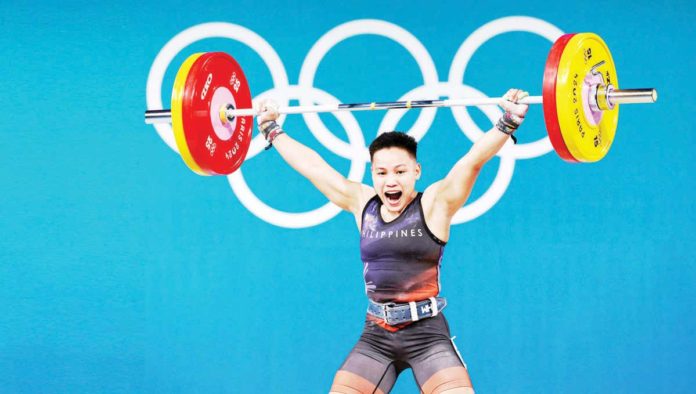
(425, 346)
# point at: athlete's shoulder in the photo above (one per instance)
(367, 194)
(429, 194)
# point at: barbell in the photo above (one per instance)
(211, 107)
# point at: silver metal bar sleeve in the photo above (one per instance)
(632, 96)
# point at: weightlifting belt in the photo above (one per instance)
(394, 314)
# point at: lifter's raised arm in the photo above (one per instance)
(449, 194)
(346, 194)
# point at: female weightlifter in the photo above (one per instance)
(403, 233)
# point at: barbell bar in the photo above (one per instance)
(211, 112)
(616, 96)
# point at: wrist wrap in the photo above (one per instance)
(271, 130)
(507, 125)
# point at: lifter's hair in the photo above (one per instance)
(394, 139)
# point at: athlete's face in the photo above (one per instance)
(394, 175)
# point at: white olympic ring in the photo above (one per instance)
(355, 150)
(466, 51)
(355, 28)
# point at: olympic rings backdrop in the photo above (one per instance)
(123, 271)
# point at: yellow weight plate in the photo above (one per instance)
(177, 117)
(587, 134)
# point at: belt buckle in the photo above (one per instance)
(385, 307)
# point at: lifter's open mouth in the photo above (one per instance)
(393, 197)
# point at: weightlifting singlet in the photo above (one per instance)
(401, 258)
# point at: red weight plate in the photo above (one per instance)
(549, 98)
(218, 146)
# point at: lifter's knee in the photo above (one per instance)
(349, 383)
(453, 380)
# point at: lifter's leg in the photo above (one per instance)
(349, 383)
(364, 374)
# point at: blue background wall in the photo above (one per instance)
(122, 271)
